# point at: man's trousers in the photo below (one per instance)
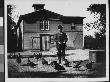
(61, 52)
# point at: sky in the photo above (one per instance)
(63, 7)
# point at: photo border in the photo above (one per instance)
(58, 79)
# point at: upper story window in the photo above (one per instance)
(72, 26)
(44, 25)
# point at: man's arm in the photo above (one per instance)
(66, 39)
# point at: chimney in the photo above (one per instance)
(38, 6)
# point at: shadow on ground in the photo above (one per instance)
(2, 79)
(100, 74)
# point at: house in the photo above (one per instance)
(38, 28)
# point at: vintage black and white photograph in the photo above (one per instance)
(56, 38)
(1, 42)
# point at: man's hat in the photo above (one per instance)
(60, 27)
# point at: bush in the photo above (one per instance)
(95, 43)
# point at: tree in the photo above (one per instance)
(100, 24)
(11, 30)
(14, 30)
(89, 42)
(101, 10)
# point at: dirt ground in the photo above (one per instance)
(41, 70)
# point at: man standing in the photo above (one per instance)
(61, 39)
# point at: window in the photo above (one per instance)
(44, 25)
(72, 26)
(52, 39)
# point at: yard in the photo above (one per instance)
(41, 70)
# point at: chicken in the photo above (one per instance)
(31, 64)
(77, 65)
(57, 66)
(90, 65)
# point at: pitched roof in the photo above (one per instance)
(44, 14)
(69, 19)
(41, 15)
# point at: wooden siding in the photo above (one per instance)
(28, 40)
(79, 27)
(33, 30)
(53, 27)
(75, 39)
(30, 28)
(66, 27)
(1, 35)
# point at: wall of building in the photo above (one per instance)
(35, 27)
(53, 25)
(33, 30)
(75, 39)
(28, 40)
(75, 36)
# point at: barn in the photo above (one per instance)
(37, 29)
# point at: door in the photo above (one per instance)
(45, 42)
(36, 43)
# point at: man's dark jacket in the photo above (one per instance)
(60, 37)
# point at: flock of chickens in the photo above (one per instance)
(54, 64)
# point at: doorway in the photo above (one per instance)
(45, 42)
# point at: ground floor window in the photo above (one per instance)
(52, 39)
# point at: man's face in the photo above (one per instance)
(60, 30)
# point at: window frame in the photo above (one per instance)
(51, 39)
(44, 25)
(73, 26)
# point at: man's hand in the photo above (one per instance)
(64, 42)
(59, 42)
